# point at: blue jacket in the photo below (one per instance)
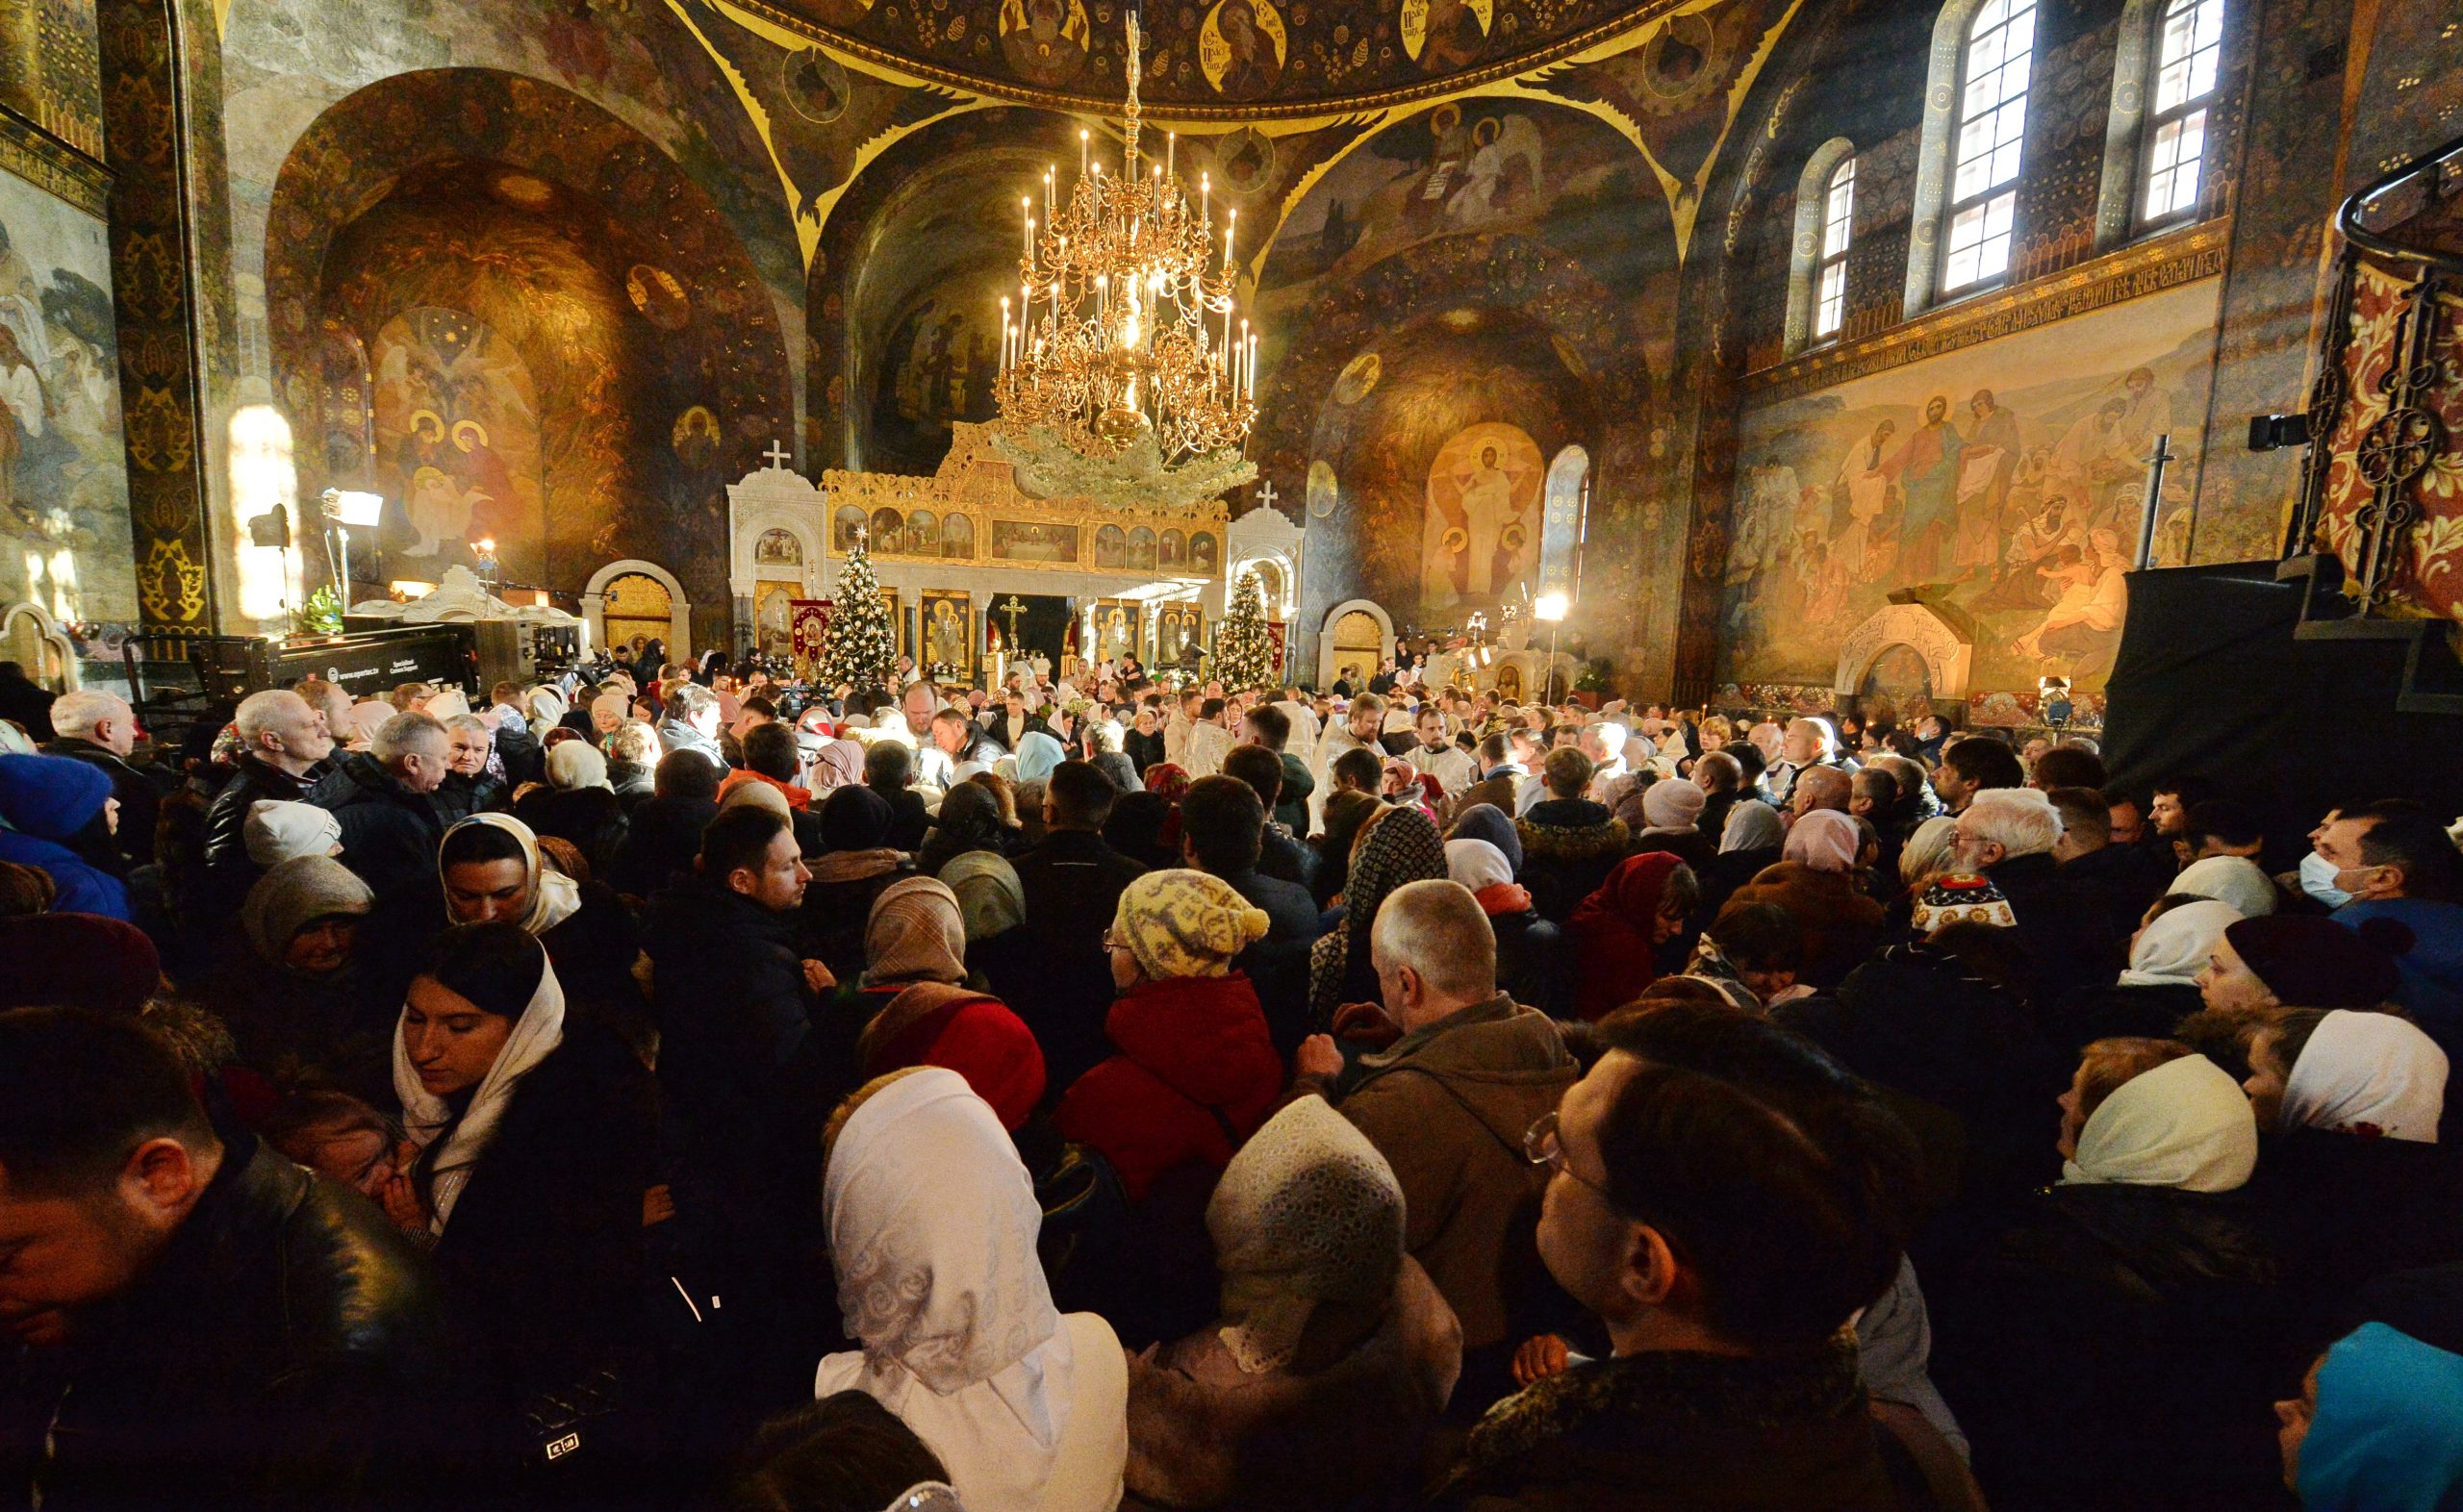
(45, 800)
(2432, 968)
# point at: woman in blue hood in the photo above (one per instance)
(57, 809)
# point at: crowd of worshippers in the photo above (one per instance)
(1050, 1099)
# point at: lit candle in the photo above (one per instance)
(1047, 193)
(1231, 227)
(1171, 151)
(1006, 337)
(1027, 212)
(1206, 199)
(1082, 152)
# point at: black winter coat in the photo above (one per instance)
(1568, 847)
(390, 834)
(542, 1257)
(660, 841)
(1073, 882)
(228, 873)
(592, 819)
(2118, 1347)
(285, 1350)
(2061, 925)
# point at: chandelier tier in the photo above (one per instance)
(1122, 334)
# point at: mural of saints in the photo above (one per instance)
(457, 448)
(1241, 47)
(1445, 34)
(1045, 40)
(1482, 523)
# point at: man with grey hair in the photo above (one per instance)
(99, 729)
(692, 724)
(382, 797)
(284, 744)
(1447, 1105)
(2007, 835)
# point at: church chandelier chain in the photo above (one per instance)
(1124, 332)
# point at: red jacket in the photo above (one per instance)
(1196, 1074)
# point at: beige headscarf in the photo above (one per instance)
(916, 933)
(554, 896)
(2185, 1125)
(276, 831)
(294, 895)
(576, 763)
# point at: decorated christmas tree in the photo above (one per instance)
(859, 647)
(1243, 647)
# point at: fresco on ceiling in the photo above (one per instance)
(937, 366)
(1438, 467)
(2008, 478)
(639, 63)
(1480, 532)
(457, 448)
(1465, 167)
(1268, 51)
(64, 469)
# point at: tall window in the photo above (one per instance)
(1838, 218)
(1991, 132)
(2185, 63)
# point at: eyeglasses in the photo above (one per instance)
(1541, 1147)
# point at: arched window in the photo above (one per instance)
(1980, 217)
(1838, 215)
(2190, 47)
(1817, 257)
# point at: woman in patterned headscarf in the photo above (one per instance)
(1398, 845)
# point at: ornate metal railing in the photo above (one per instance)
(2388, 455)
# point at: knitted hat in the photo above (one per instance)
(1672, 806)
(276, 831)
(2309, 962)
(1178, 922)
(1961, 897)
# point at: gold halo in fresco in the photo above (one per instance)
(1323, 491)
(696, 437)
(1358, 376)
(526, 190)
(658, 297)
(1246, 157)
(815, 84)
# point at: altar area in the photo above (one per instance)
(952, 549)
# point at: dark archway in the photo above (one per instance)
(593, 264)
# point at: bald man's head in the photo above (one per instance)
(1438, 931)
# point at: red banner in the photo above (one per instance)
(806, 619)
(1278, 629)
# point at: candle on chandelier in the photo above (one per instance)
(1250, 368)
(1231, 228)
(1084, 153)
(1008, 340)
(1170, 152)
(1206, 199)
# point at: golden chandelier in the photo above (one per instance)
(1121, 335)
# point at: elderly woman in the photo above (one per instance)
(1618, 934)
(931, 1222)
(297, 1003)
(993, 903)
(837, 763)
(1527, 944)
(2159, 987)
(916, 995)
(578, 804)
(276, 831)
(1816, 880)
(2144, 1270)
(536, 1137)
(1332, 1355)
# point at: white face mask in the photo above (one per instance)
(2318, 879)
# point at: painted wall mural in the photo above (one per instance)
(1482, 531)
(64, 471)
(2005, 478)
(457, 448)
(50, 71)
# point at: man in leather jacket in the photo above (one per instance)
(207, 1324)
(284, 742)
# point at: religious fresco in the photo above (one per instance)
(457, 448)
(651, 345)
(1482, 531)
(63, 468)
(937, 366)
(2005, 478)
(1275, 54)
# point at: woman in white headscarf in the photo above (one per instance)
(536, 1139)
(931, 1222)
(578, 804)
(2236, 880)
(2159, 988)
(492, 868)
(1334, 1354)
(2112, 1340)
(2371, 1074)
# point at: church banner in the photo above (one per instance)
(808, 618)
